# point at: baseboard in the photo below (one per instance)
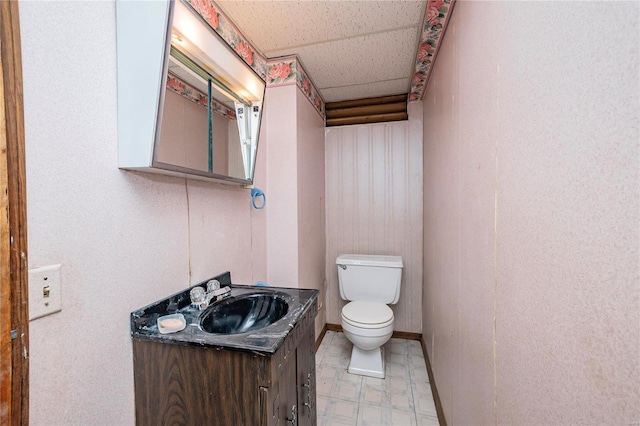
(434, 389)
(406, 335)
(396, 334)
(333, 327)
(321, 336)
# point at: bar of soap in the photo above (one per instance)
(171, 323)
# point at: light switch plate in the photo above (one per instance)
(44, 291)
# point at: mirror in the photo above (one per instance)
(211, 104)
(188, 105)
(198, 127)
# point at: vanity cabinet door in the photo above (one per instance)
(270, 405)
(306, 378)
(294, 388)
(289, 409)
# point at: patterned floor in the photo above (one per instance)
(403, 397)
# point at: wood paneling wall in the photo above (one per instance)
(367, 111)
(374, 205)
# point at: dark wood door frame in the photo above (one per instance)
(14, 311)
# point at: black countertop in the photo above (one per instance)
(264, 341)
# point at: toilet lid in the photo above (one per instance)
(367, 314)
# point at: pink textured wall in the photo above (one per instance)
(295, 223)
(311, 210)
(310, 180)
(259, 217)
(282, 207)
(532, 288)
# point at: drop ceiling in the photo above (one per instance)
(350, 49)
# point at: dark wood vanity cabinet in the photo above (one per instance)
(292, 397)
(179, 384)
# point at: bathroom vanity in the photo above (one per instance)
(262, 376)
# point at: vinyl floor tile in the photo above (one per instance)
(403, 397)
(426, 420)
(371, 415)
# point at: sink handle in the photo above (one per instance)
(212, 285)
(199, 297)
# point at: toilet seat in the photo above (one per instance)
(367, 314)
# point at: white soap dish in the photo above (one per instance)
(171, 323)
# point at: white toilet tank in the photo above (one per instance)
(369, 278)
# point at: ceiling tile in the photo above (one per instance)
(276, 25)
(359, 60)
(384, 88)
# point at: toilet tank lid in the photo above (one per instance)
(370, 260)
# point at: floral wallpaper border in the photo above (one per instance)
(433, 27)
(221, 24)
(275, 72)
(185, 90)
(288, 71)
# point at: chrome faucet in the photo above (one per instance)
(219, 293)
(201, 298)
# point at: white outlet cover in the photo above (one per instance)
(39, 304)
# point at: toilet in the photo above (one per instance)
(369, 283)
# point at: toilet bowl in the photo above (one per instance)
(369, 283)
(368, 325)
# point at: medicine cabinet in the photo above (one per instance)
(188, 105)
